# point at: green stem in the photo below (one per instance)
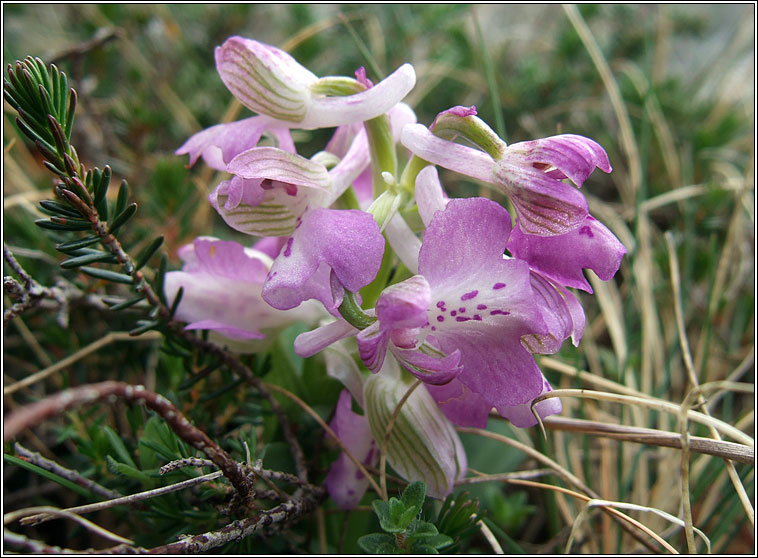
(411, 170)
(353, 313)
(382, 149)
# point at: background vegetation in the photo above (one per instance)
(667, 90)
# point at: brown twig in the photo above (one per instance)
(34, 413)
(74, 476)
(30, 293)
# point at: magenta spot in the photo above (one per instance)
(469, 296)
(498, 286)
(358, 475)
(586, 231)
(440, 318)
(499, 312)
(462, 319)
(272, 275)
(441, 304)
(481, 307)
(462, 309)
(477, 318)
(434, 328)
(288, 248)
(453, 313)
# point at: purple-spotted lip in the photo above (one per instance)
(461, 312)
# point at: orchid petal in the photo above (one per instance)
(341, 366)
(328, 112)
(545, 206)
(348, 242)
(458, 158)
(560, 312)
(313, 342)
(276, 164)
(271, 189)
(482, 304)
(404, 304)
(590, 246)
(574, 156)
(521, 415)
(345, 483)
(403, 241)
(219, 144)
(372, 346)
(265, 79)
(222, 283)
(429, 194)
(433, 366)
(461, 405)
(225, 329)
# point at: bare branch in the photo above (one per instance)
(32, 414)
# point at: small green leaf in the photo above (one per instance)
(100, 182)
(144, 326)
(149, 251)
(122, 200)
(177, 300)
(87, 259)
(118, 446)
(76, 244)
(126, 470)
(63, 225)
(54, 208)
(160, 278)
(127, 303)
(122, 217)
(397, 513)
(377, 543)
(423, 549)
(107, 275)
(422, 529)
(382, 511)
(414, 495)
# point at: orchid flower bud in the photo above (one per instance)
(423, 444)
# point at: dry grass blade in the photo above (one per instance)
(81, 353)
(708, 446)
(609, 510)
(126, 500)
(692, 396)
(13, 516)
(624, 505)
(659, 405)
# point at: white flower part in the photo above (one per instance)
(423, 445)
(269, 81)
